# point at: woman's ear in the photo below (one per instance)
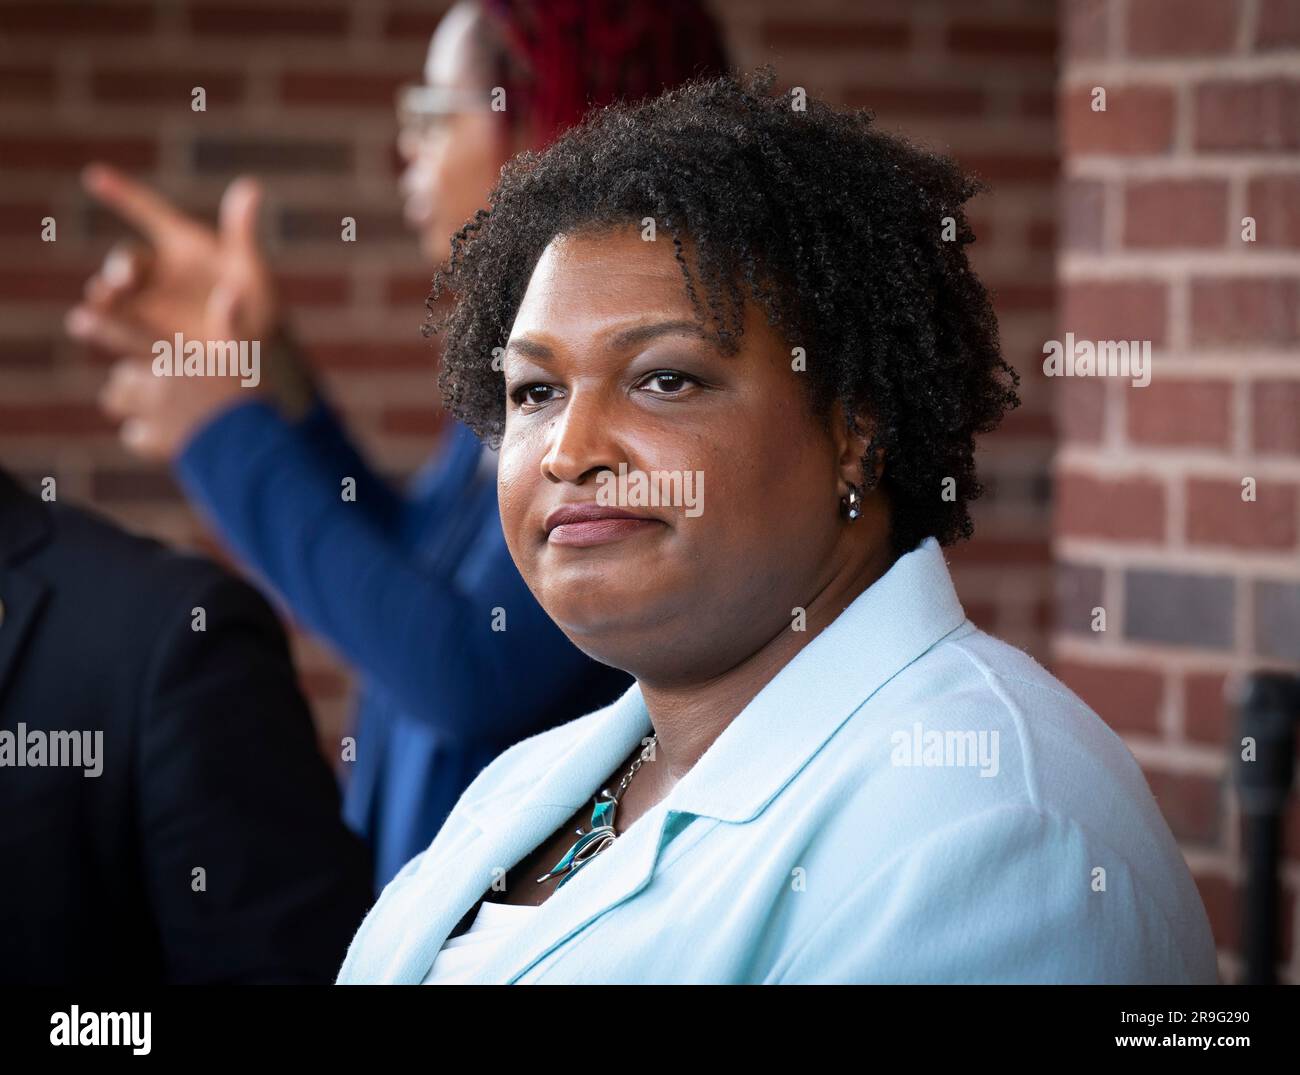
(854, 436)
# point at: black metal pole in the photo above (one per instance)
(1269, 710)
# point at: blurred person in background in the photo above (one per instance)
(405, 585)
(167, 814)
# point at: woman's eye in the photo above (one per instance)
(532, 394)
(667, 382)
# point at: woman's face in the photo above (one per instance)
(606, 369)
(451, 167)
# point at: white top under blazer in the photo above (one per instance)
(461, 957)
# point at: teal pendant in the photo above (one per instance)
(588, 845)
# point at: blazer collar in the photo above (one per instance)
(888, 626)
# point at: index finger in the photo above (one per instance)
(138, 204)
(125, 269)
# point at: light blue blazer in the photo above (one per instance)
(908, 800)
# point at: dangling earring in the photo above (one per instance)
(852, 504)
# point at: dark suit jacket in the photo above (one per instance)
(209, 762)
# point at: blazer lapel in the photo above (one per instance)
(504, 827)
(599, 886)
(21, 597)
(24, 524)
(427, 905)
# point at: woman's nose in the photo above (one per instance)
(582, 442)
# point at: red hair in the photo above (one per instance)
(562, 57)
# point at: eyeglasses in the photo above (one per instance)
(424, 110)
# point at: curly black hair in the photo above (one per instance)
(852, 241)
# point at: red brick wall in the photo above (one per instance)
(978, 83)
(299, 93)
(1201, 129)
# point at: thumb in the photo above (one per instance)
(243, 274)
(222, 311)
(238, 217)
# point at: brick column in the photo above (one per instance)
(1177, 519)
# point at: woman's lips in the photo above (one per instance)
(598, 531)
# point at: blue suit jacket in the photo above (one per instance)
(908, 800)
(413, 591)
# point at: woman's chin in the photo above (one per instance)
(591, 616)
(609, 627)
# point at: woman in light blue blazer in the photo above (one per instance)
(824, 772)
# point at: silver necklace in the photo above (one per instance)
(602, 834)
